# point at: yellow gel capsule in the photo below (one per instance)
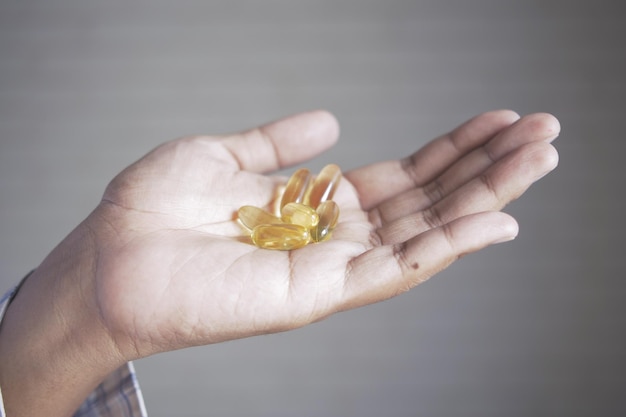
(324, 186)
(296, 187)
(280, 236)
(328, 212)
(297, 213)
(251, 216)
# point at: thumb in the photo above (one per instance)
(285, 142)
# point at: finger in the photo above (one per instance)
(284, 142)
(499, 185)
(378, 182)
(539, 127)
(389, 270)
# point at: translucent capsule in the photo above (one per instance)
(296, 187)
(297, 213)
(252, 216)
(305, 213)
(280, 236)
(324, 186)
(328, 212)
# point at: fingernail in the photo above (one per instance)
(505, 239)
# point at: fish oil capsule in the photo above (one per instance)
(252, 216)
(280, 236)
(297, 213)
(296, 187)
(324, 186)
(328, 212)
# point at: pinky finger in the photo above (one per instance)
(386, 271)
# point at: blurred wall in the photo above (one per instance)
(534, 327)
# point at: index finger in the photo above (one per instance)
(388, 270)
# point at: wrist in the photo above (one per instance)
(53, 348)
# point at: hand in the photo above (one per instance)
(161, 263)
(173, 270)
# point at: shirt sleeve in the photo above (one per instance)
(119, 395)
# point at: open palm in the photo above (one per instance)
(174, 268)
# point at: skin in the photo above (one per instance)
(161, 264)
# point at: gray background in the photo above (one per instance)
(531, 328)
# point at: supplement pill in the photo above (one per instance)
(297, 213)
(296, 187)
(252, 216)
(328, 212)
(280, 236)
(324, 186)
